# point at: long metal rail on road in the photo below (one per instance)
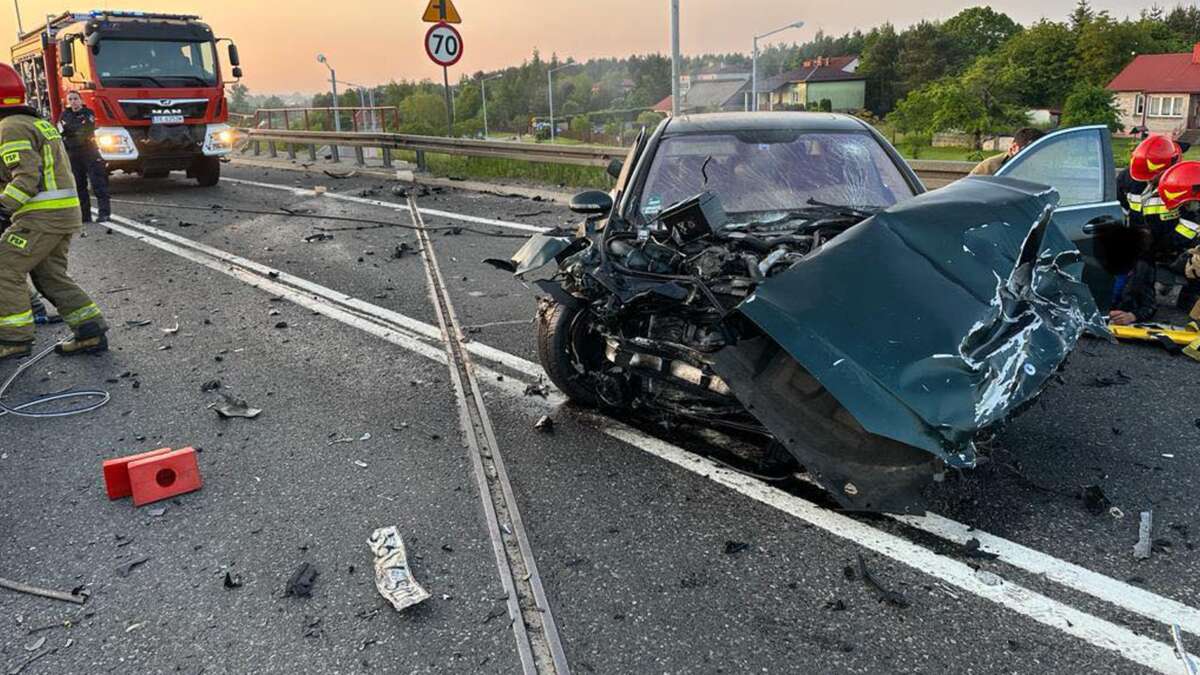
(533, 625)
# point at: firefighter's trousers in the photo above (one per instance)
(41, 256)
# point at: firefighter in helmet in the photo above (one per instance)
(39, 202)
(1179, 185)
(1136, 188)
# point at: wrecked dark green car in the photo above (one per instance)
(785, 277)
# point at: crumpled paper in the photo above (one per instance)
(393, 577)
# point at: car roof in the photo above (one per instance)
(760, 121)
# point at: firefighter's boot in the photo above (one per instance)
(15, 350)
(87, 340)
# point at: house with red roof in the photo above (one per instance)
(1160, 93)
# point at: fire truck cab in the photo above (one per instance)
(153, 80)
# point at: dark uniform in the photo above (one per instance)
(39, 196)
(79, 135)
(1172, 236)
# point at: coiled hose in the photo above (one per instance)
(20, 410)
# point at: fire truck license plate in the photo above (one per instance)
(166, 119)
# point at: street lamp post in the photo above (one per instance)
(337, 119)
(754, 61)
(550, 77)
(483, 94)
(676, 59)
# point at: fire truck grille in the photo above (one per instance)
(145, 110)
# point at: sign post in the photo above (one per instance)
(443, 44)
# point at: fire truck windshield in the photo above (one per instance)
(156, 63)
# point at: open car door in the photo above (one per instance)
(1078, 162)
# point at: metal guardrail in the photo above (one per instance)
(934, 173)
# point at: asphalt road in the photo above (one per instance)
(643, 560)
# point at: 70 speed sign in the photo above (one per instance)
(443, 44)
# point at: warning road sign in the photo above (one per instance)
(443, 44)
(441, 11)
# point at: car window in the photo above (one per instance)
(1072, 163)
(771, 171)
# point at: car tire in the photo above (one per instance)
(207, 171)
(559, 332)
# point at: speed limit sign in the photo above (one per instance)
(443, 44)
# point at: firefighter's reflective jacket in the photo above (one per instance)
(39, 188)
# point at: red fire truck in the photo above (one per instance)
(153, 80)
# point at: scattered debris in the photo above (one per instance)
(1094, 500)
(232, 581)
(403, 249)
(77, 598)
(735, 547)
(157, 511)
(1189, 664)
(338, 175)
(894, 598)
(138, 324)
(540, 389)
(235, 407)
(1116, 380)
(172, 330)
(1116, 513)
(837, 605)
(365, 437)
(1141, 550)
(211, 385)
(16, 670)
(312, 626)
(360, 464)
(545, 424)
(36, 644)
(532, 214)
(971, 549)
(319, 236)
(124, 570)
(281, 324)
(302, 581)
(393, 576)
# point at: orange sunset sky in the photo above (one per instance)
(371, 42)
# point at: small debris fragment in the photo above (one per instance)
(735, 547)
(971, 549)
(36, 644)
(157, 511)
(124, 570)
(837, 605)
(138, 324)
(403, 249)
(894, 598)
(1117, 379)
(545, 424)
(1094, 500)
(365, 437)
(302, 581)
(232, 581)
(172, 330)
(77, 596)
(211, 385)
(319, 236)
(1141, 550)
(235, 407)
(281, 324)
(393, 576)
(360, 464)
(1189, 664)
(338, 175)
(538, 389)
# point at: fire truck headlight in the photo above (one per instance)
(219, 139)
(115, 143)
(109, 142)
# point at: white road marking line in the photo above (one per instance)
(1092, 629)
(303, 192)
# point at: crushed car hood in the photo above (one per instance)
(938, 317)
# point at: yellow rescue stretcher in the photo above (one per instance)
(1187, 337)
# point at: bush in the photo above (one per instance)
(826, 105)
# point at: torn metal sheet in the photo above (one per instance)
(393, 576)
(938, 317)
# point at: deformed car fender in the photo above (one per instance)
(938, 317)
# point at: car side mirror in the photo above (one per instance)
(591, 203)
(614, 168)
(233, 56)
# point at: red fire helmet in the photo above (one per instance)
(12, 89)
(1152, 156)
(1180, 184)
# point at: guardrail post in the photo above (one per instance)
(272, 150)
(312, 152)
(333, 152)
(359, 158)
(421, 165)
(257, 148)
(291, 150)
(387, 158)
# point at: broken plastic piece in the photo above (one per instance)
(393, 576)
(1141, 550)
(885, 595)
(235, 407)
(545, 424)
(302, 581)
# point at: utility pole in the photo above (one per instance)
(754, 62)
(337, 118)
(20, 30)
(676, 60)
(483, 94)
(550, 78)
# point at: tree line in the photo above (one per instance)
(978, 71)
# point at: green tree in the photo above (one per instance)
(923, 50)
(238, 98)
(648, 119)
(423, 113)
(1090, 104)
(879, 64)
(1036, 62)
(1081, 16)
(976, 31)
(956, 104)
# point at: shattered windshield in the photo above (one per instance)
(772, 171)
